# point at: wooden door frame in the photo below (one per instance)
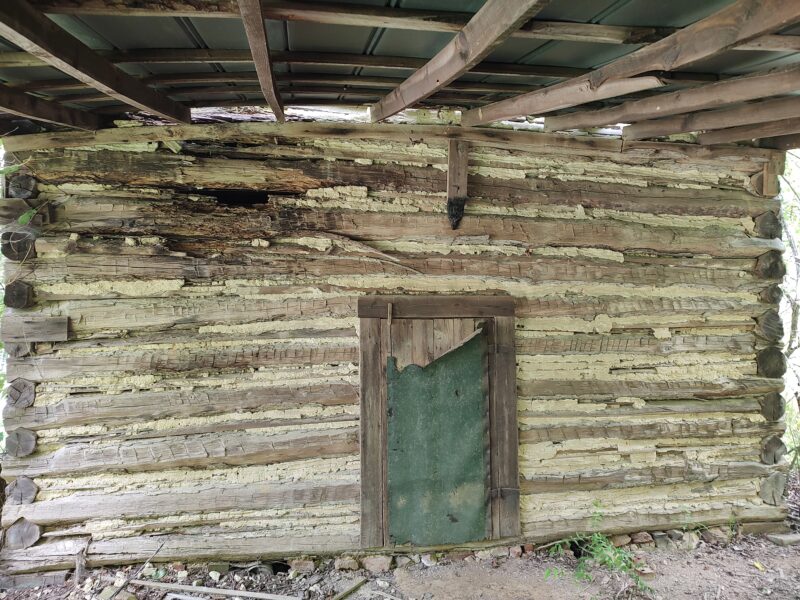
(374, 314)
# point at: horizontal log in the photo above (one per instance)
(77, 508)
(49, 555)
(645, 389)
(131, 407)
(21, 328)
(632, 476)
(227, 448)
(672, 428)
(620, 343)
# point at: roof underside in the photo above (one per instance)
(322, 63)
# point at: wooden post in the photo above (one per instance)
(457, 164)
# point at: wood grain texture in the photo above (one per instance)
(253, 19)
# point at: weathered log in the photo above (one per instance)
(18, 349)
(770, 265)
(772, 450)
(20, 393)
(632, 343)
(773, 489)
(773, 406)
(22, 186)
(21, 491)
(771, 362)
(18, 245)
(18, 294)
(168, 501)
(768, 225)
(770, 326)
(771, 294)
(22, 534)
(33, 580)
(225, 448)
(19, 328)
(20, 442)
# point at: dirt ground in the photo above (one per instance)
(746, 569)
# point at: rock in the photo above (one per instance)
(109, 591)
(641, 538)
(529, 548)
(499, 551)
(382, 583)
(689, 541)
(761, 528)
(215, 575)
(429, 560)
(402, 561)
(302, 565)
(662, 541)
(715, 535)
(179, 566)
(182, 575)
(377, 564)
(675, 534)
(220, 567)
(784, 539)
(620, 540)
(346, 563)
(515, 551)
(458, 555)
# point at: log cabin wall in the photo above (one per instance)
(196, 381)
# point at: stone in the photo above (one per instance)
(620, 540)
(178, 566)
(715, 535)
(377, 564)
(458, 555)
(641, 538)
(529, 548)
(220, 567)
(762, 528)
(499, 552)
(784, 539)
(402, 561)
(675, 534)
(515, 551)
(689, 541)
(346, 563)
(429, 560)
(182, 575)
(214, 575)
(109, 592)
(662, 541)
(302, 565)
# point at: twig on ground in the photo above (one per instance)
(345, 593)
(199, 589)
(138, 572)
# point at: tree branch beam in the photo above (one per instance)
(493, 23)
(253, 20)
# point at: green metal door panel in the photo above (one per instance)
(438, 442)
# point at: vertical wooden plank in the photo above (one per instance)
(457, 162)
(373, 410)
(504, 433)
(421, 341)
(402, 346)
(383, 425)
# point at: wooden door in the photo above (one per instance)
(469, 438)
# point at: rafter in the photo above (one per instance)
(253, 20)
(487, 29)
(746, 114)
(738, 23)
(24, 105)
(23, 25)
(782, 127)
(385, 17)
(739, 89)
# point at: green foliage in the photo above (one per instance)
(26, 217)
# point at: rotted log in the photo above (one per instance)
(772, 406)
(770, 326)
(770, 265)
(18, 294)
(21, 442)
(22, 534)
(768, 225)
(771, 362)
(772, 450)
(18, 349)
(21, 491)
(771, 294)
(21, 393)
(18, 245)
(22, 186)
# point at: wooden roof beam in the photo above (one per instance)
(746, 114)
(493, 23)
(253, 20)
(781, 128)
(385, 17)
(23, 25)
(24, 105)
(736, 24)
(714, 95)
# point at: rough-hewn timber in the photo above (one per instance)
(202, 391)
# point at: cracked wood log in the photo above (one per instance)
(22, 534)
(20, 442)
(772, 406)
(17, 245)
(20, 491)
(771, 362)
(18, 294)
(20, 393)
